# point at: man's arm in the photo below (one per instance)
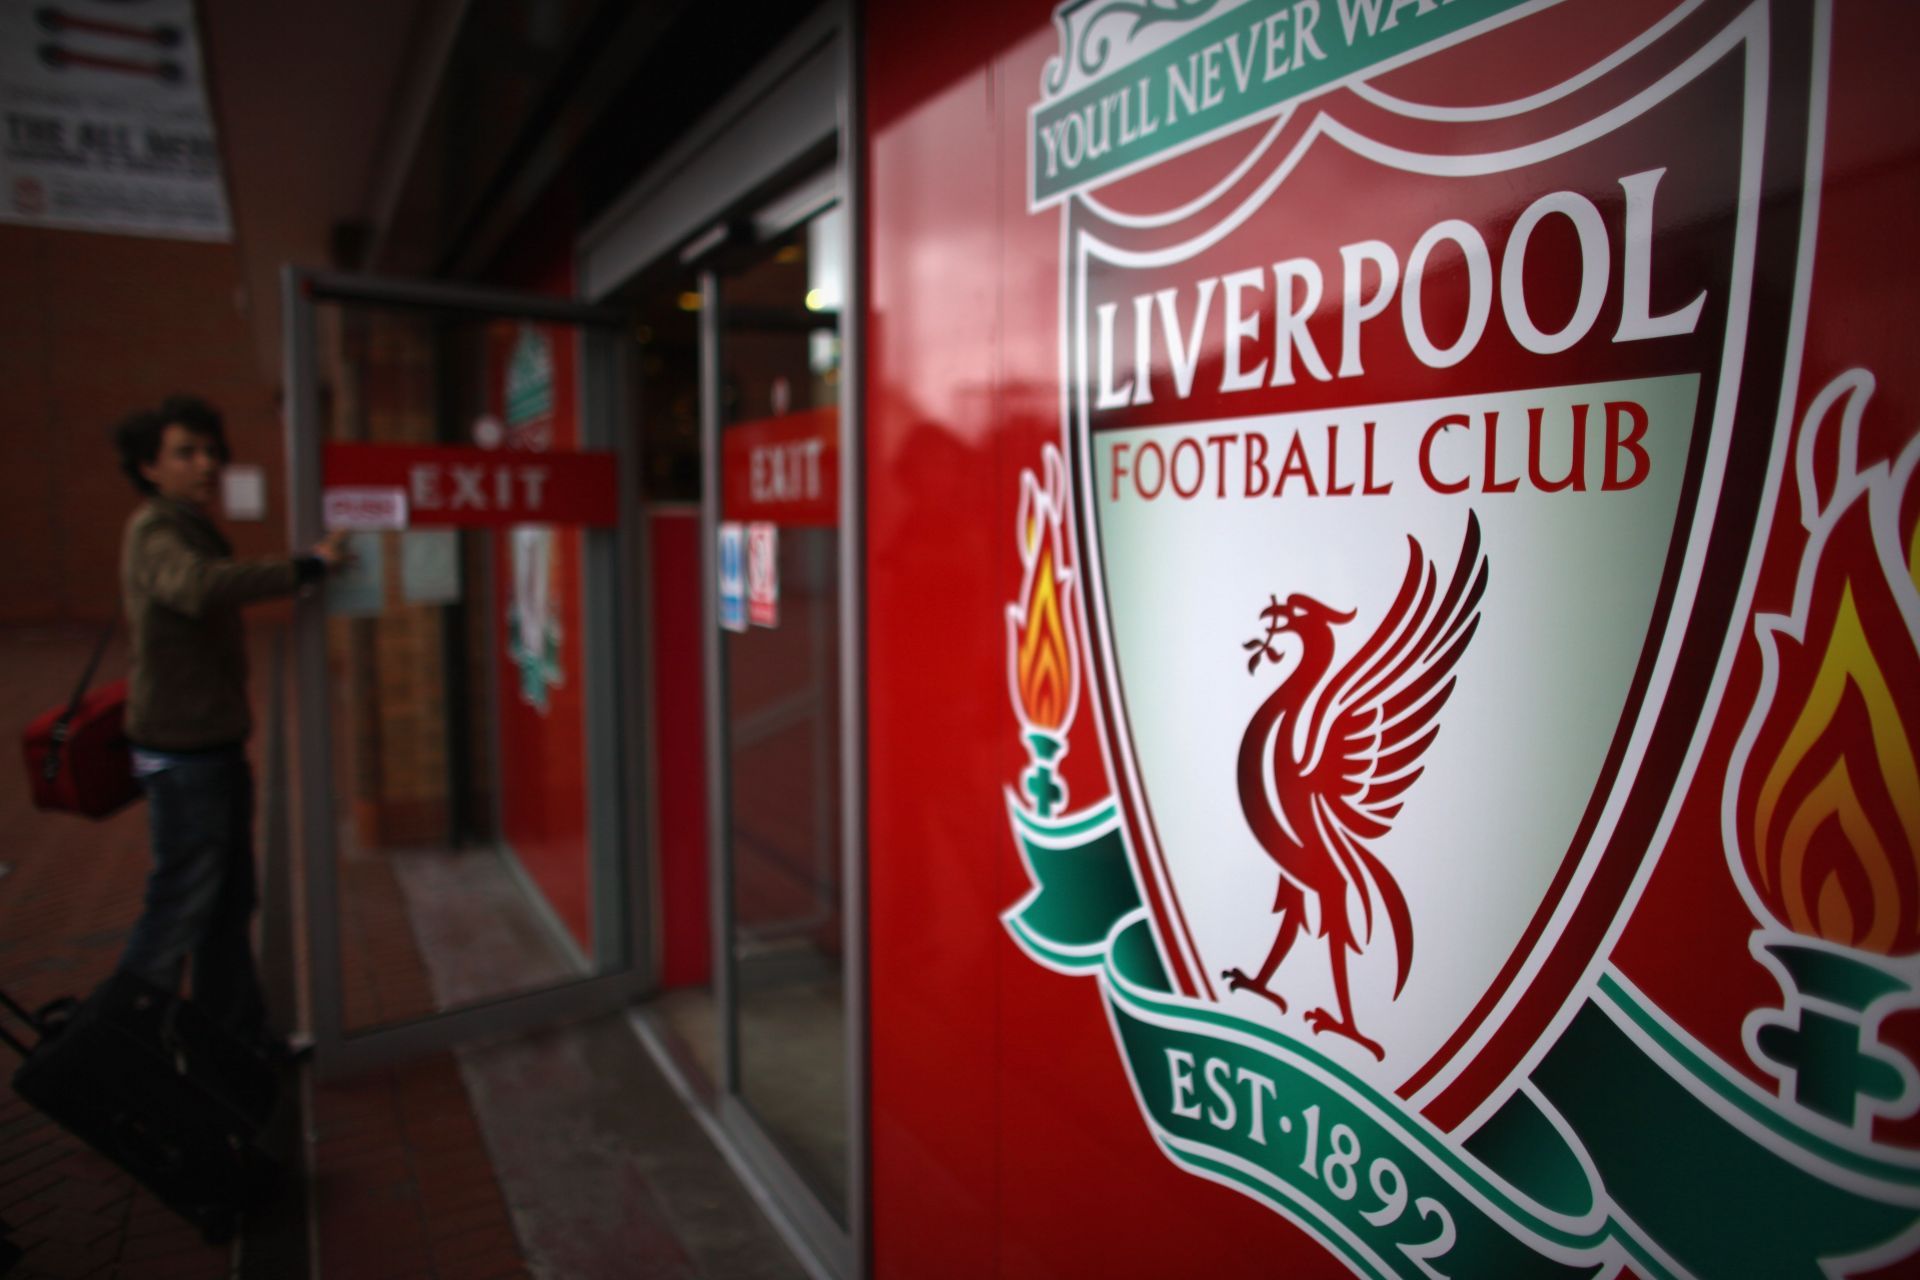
(190, 582)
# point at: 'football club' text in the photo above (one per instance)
(1579, 447)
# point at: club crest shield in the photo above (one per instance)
(1417, 449)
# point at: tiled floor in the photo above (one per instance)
(613, 1178)
(404, 1185)
(605, 1171)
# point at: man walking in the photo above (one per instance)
(188, 714)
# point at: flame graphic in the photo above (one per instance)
(1044, 674)
(1836, 828)
(1827, 816)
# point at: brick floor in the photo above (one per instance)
(402, 1184)
(383, 977)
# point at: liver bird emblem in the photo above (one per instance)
(1326, 759)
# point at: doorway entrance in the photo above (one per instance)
(734, 260)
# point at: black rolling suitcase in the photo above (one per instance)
(147, 1080)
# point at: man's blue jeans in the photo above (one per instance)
(200, 895)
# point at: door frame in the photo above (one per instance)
(615, 742)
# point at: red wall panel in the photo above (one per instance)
(1005, 1138)
(679, 749)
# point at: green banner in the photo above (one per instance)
(1246, 62)
(1619, 1147)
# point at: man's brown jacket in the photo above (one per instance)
(183, 590)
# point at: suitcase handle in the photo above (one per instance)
(46, 1021)
(19, 1012)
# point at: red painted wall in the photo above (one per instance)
(679, 749)
(1006, 1138)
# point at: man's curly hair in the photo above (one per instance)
(139, 434)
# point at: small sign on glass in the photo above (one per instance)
(733, 577)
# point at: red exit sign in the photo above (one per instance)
(783, 470)
(451, 485)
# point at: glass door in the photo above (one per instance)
(732, 259)
(775, 335)
(464, 783)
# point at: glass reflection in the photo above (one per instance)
(780, 373)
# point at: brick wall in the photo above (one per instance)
(384, 375)
(92, 326)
